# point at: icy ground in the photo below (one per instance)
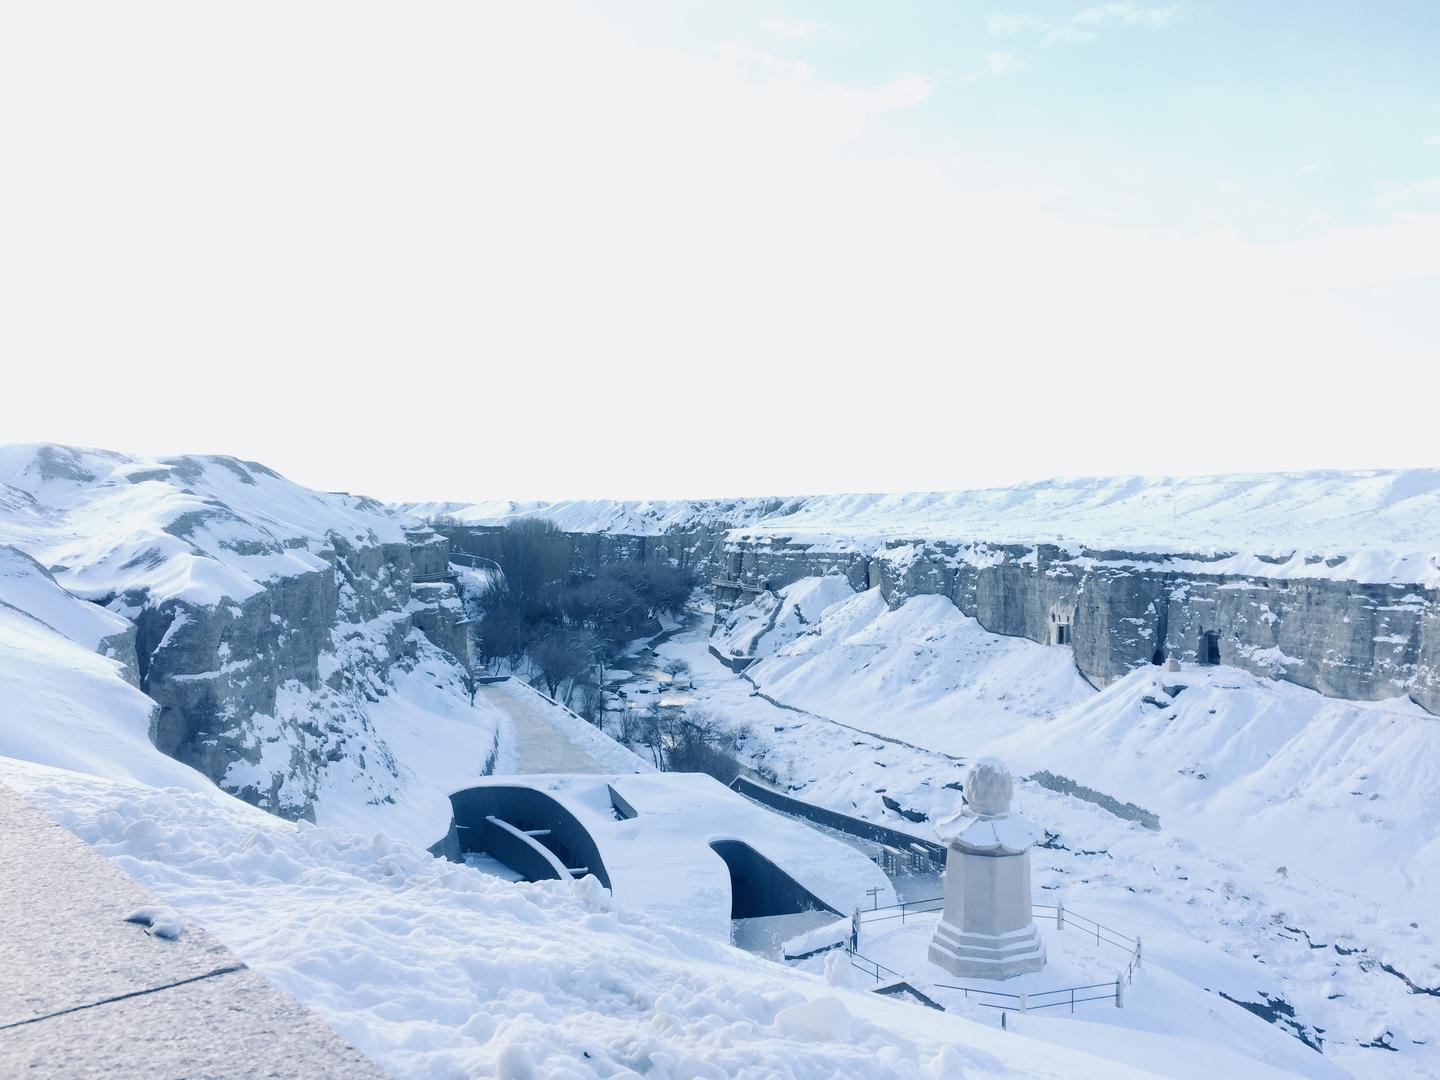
(1296, 864)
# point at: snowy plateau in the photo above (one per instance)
(257, 699)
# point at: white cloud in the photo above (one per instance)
(1084, 26)
(1431, 140)
(1007, 23)
(1123, 13)
(1067, 35)
(1003, 63)
(792, 28)
(1401, 193)
(765, 63)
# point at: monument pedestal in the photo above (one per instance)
(987, 956)
(987, 929)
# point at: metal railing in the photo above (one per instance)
(1023, 1001)
(732, 583)
(1026, 1002)
(873, 968)
(901, 911)
(475, 562)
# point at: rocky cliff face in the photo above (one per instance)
(267, 622)
(698, 548)
(1327, 580)
(1121, 610)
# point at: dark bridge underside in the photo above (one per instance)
(758, 887)
(528, 810)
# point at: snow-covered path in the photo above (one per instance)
(546, 738)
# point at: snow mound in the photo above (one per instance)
(28, 587)
(1227, 753)
(64, 704)
(921, 672)
(772, 620)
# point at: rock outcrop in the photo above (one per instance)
(265, 621)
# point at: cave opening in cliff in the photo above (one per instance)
(1210, 647)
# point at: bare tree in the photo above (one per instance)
(535, 556)
(676, 668)
(560, 657)
(590, 694)
(631, 724)
(699, 743)
(653, 731)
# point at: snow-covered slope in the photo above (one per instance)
(1265, 768)
(774, 620)
(61, 702)
(917, 670)
(28, 587)
(1216, 751)
(1383, 522)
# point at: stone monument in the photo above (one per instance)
(987, 929)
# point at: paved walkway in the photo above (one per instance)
(543, 741)
(83, 993)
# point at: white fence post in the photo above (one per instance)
(1022, 1001)
(1060, 914)
(1137, 952)
(1119, 992)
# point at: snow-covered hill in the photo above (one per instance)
(199, 529)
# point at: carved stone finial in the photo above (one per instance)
(989, 787)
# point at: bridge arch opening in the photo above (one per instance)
(759, 888)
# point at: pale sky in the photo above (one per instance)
(667, 248)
